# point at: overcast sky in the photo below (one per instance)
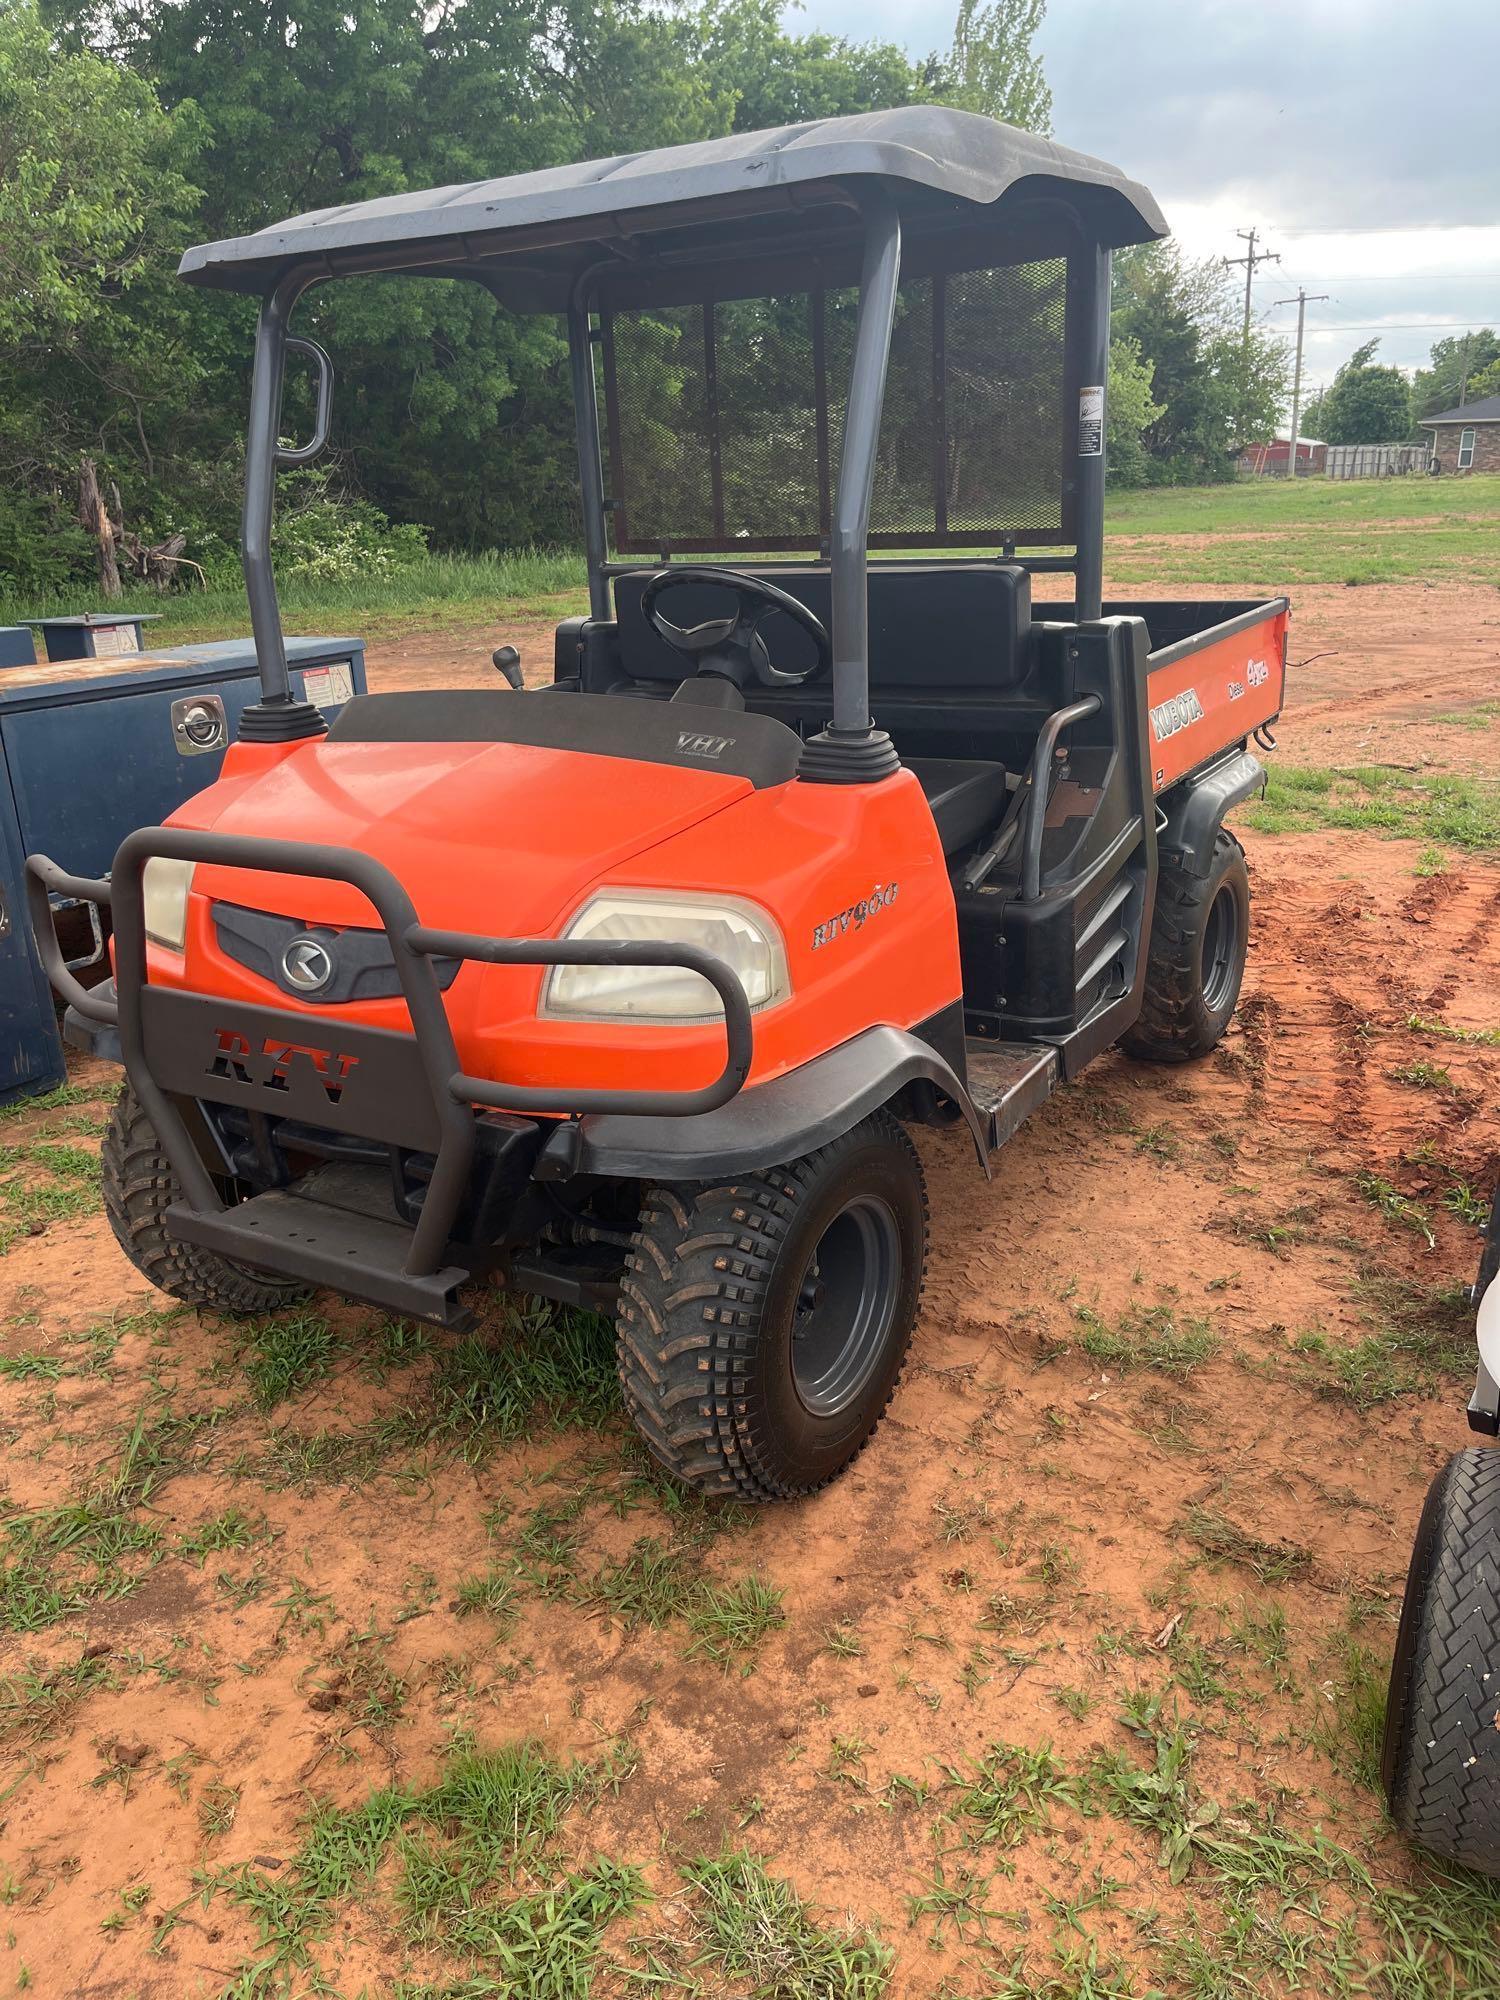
(1362, 137)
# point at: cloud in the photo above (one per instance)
(1358, 135)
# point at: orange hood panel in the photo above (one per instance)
(499, 838)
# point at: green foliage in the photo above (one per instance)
(189, 120)
(1213, 390)
(1364, 404)
(1456, 359)
(89, 183)
(991, 67)
(1130, 409)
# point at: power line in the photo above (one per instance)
(1393, 325)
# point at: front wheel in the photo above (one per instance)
(1440, 1761)
(140, 1185)
(1200, 933)
(763, 1323)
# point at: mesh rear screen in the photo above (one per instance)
(725, 419)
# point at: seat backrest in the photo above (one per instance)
(953, 626)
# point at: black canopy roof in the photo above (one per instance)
(531, 235)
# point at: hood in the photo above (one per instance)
(499, 838)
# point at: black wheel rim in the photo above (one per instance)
(1221, 950)
(846, 1302)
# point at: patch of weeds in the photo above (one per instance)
(1148, 1337)
(67, 1186)
(35, 1703)
(463, 1845)
(1009, 1792)
(1423, 1076)
(217, 1805)
(1421, 1337)
(306, 1459)
(1223, 1540)
(843, 1641)
(285, 1354)
(651, 1585)
(753, 1928)
(65, 1095)
(1159, 1143)
(492, 1592)
(1462, 1201)
(29, 1366)
(732, 1619)
(229, 1530)
(961, 1520)
(1486, 1038)
(546, 1550)
(1400, 1208)
(1351, 1722)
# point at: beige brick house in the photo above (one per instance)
(1467, 439)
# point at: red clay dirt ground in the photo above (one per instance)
(1143, 1504)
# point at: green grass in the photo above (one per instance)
(1271, 534)
(1421, 1337)
(761, 1938)
(1147, 1337)
(440, 591)
(469, 1852)
(1450, 811)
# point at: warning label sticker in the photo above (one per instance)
(329, 686)
(1091, 422)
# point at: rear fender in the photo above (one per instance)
(1194, 809)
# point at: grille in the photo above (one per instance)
(725, 417)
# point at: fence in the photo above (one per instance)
(1376, 461)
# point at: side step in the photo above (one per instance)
(358, 1255)
(1007, 1081)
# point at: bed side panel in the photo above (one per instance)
(1210, 691)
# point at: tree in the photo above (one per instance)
(1212, 388)
(1459, 364)
(1365, 403)
(91, 180)
(992, 66)
(1130, 410)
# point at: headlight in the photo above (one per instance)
(164, 891)
(744, 937)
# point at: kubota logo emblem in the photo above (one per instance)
(307, 964)
(272, 1065)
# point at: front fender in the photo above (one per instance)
(767, 1124)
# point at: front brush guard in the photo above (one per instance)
(407, 1089)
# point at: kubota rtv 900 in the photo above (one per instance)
(625, 990)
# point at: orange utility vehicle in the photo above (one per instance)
(623, 991)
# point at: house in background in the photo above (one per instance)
(1274, 458)
(1466, 439)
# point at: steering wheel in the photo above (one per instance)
(732, 649)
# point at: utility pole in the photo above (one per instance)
(1250, 260)
(1301, 304)
(1463, 384)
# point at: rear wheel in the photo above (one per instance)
(1200, 932)
(763, 1323)
(1440, 1762)
(140, 1185)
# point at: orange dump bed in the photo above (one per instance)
(1209, 691)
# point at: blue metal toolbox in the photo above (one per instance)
(93, 748)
